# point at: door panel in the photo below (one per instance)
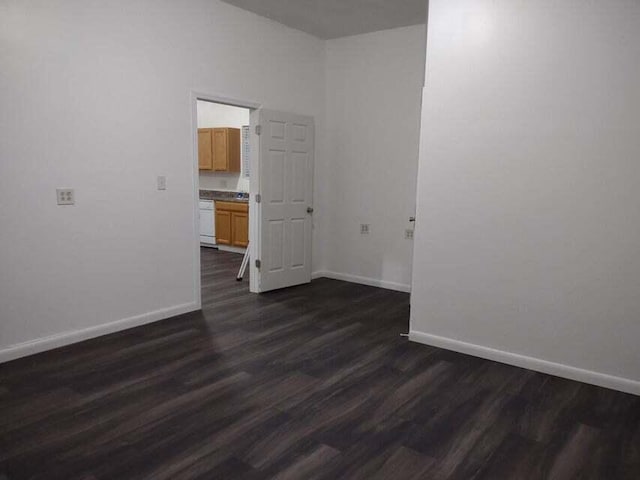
(276, 178)
(299, 166)
(286, 188)
(298, 247)
(275, 246)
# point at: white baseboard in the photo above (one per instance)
(531, 363)
(60, 340)
(374, 282)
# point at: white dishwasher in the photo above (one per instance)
(207, 223)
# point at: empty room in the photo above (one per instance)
(319, 239)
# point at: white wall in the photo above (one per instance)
(96, 96)
(214, 115)
(528, 234)
(374, 84)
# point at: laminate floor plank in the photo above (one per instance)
(309, 382)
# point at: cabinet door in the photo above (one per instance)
(223, 227)
(240, 229)
(220, 150)
(205, 149)
(233, 148)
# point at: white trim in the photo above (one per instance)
(587, 376)
(255, 208)
(195, 167)
(374, 282)
(234, 102)
(60, 340)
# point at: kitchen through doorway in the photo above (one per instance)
(253, 181)
(224, 170)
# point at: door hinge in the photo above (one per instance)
(258, 263)
(258, 198)
(258, 129)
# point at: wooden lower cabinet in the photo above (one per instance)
(240, 229)
(223, 227)
(232, 223)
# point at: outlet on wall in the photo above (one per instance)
(408, 234)
(364, 228)
(162, 182)
(66, 196)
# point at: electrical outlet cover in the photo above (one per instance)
(65, 196)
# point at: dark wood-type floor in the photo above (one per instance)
(304, 383)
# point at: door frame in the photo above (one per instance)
(194, 96)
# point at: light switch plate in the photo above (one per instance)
(65, 196)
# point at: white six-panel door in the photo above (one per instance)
(286, 188)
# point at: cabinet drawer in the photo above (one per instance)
(232, 206)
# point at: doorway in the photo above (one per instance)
(254, 184)
(223, 189)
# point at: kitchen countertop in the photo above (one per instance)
(222, 195)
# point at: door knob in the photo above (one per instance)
(309, 209)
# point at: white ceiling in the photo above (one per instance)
(339, 18)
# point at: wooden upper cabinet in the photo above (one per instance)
(219, 149)
(205, 148)
(226, 150)
(220, 143)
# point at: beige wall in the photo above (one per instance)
(528, 234)
(96, 96)
(374, 84)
